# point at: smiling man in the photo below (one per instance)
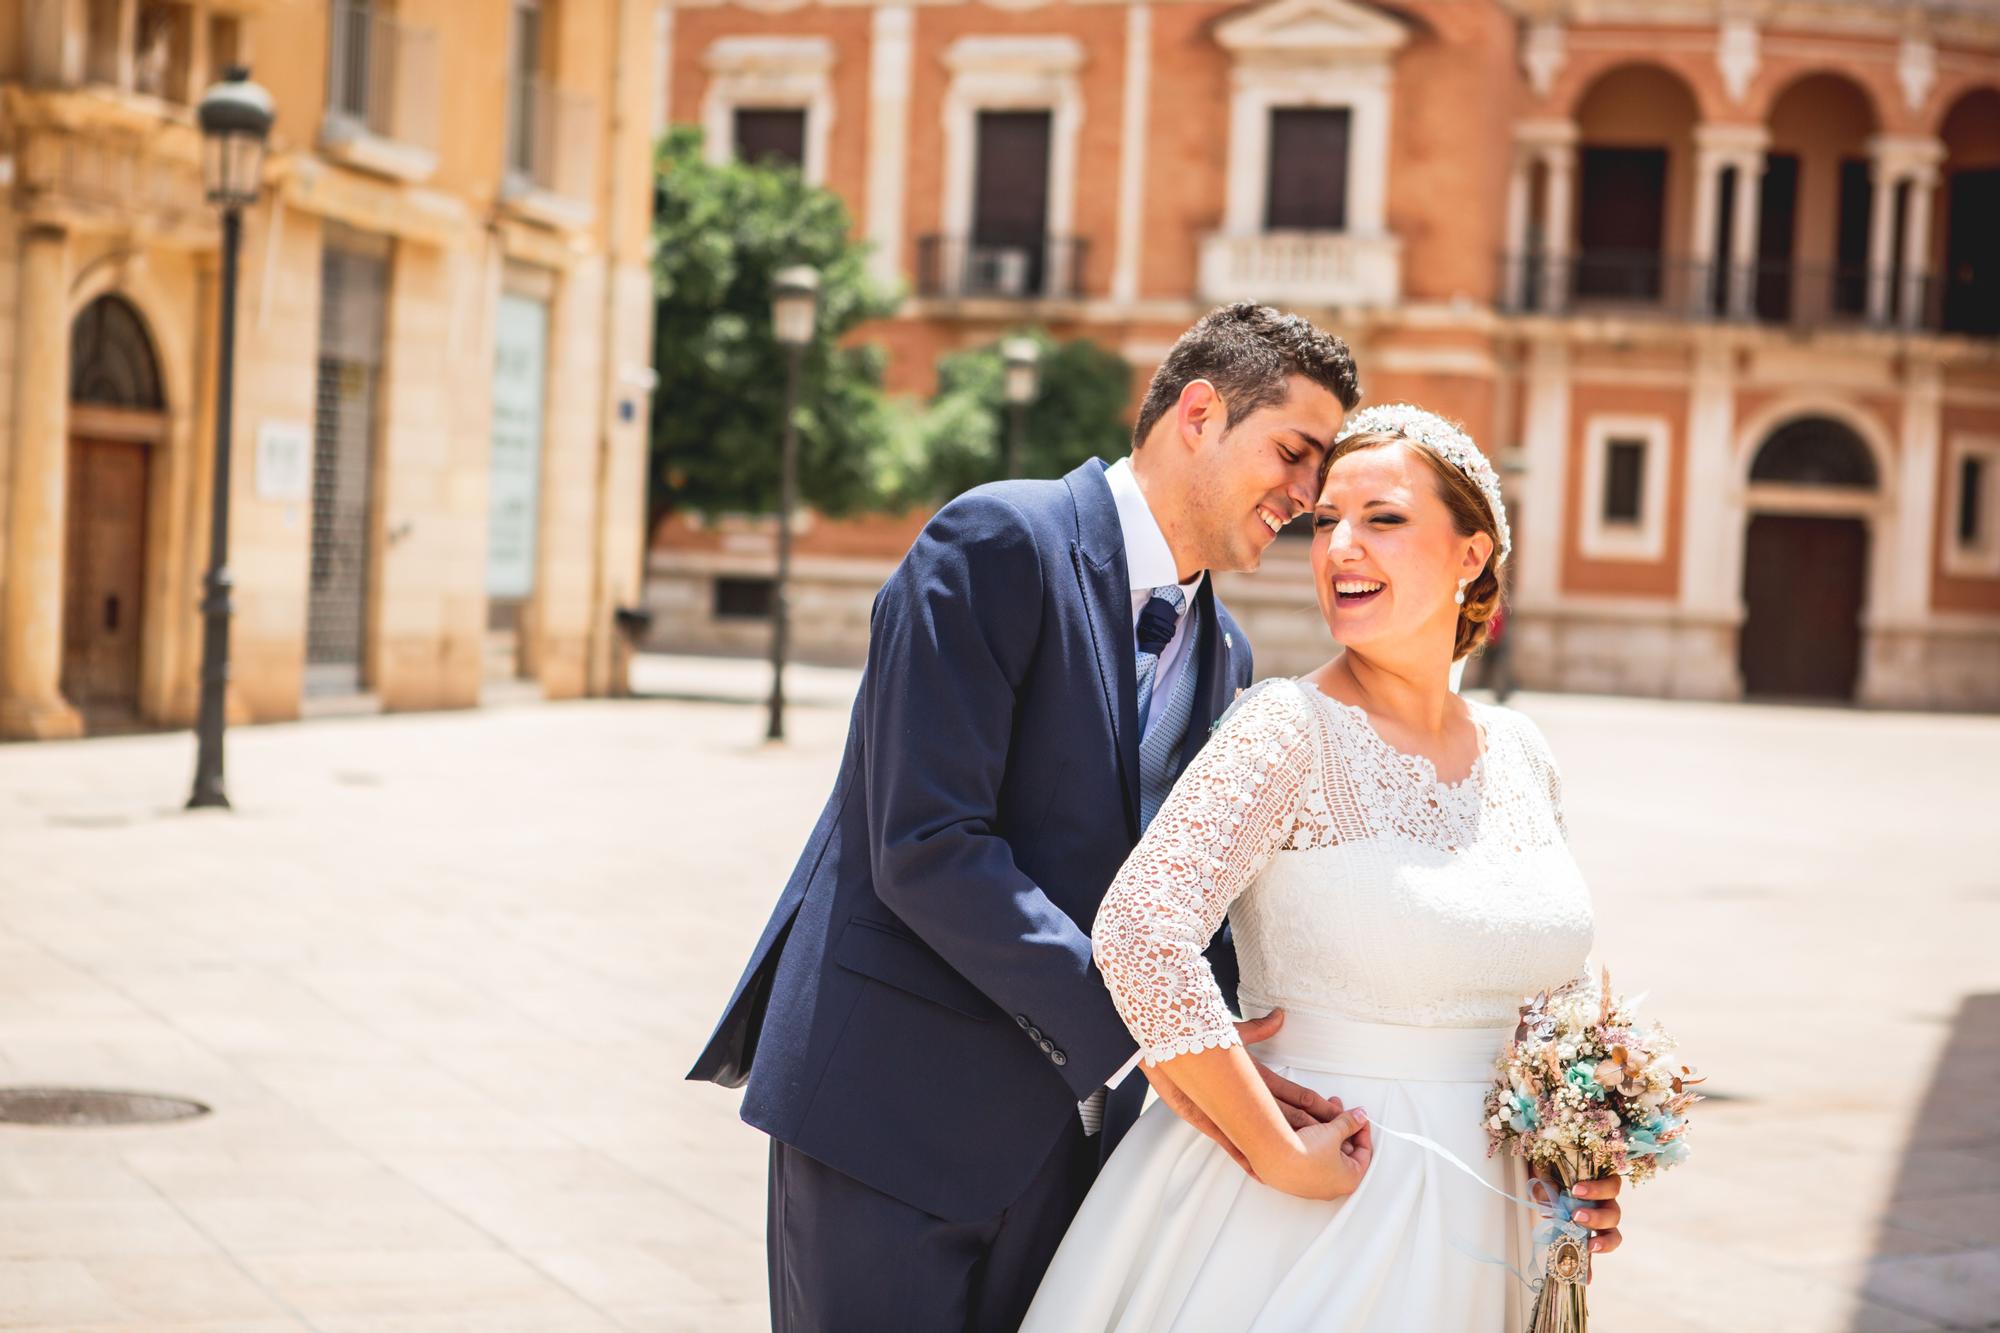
(921, 1028)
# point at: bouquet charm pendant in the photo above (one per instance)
(1559, 1300)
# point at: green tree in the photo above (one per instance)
(720, 234)
(960, 441)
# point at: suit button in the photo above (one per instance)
(1034, 1034)
(1048, 1046)
(1022, 1019)
(1059, 1058)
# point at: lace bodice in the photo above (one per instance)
(1356, 882)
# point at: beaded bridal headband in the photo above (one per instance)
(1448, 442)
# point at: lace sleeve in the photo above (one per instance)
(1235, 805)
(1545, 761)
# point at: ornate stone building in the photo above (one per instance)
(1718, 281)
(443, 354)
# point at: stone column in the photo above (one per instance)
(1559, 161)
(1897, 621)
(890, 55)
(1917, 245)
(1718, 148)
(1708, 168)
(1743, 257)
(31, 643)
(1704, 664)
(1884, 174)
(1545, 454)
(1520, 180)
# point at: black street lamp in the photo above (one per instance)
(794, 314)
(235, 117)
(1023, 358)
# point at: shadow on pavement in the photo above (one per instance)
(1937, 1252)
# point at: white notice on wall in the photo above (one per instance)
(284, 461)
(520, 364)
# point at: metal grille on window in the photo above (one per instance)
(1624, 481)
(353, 292)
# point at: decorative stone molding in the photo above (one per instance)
(1979, 558)
(1646, 540)
(1310, 53)
(1543, 51)
(769, 72)
(1916, 69)
(1014, 74)
(1736, 55)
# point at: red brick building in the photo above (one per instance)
(1723, 292)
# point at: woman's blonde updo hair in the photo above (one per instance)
(1458, 465)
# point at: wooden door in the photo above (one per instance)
(1803, 585)
(105, 575)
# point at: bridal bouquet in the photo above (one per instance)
(1583, 1091)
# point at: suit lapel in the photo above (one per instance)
(1099, 557)
(1212, 685)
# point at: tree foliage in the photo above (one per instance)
(960, 440)
(720, 235)
(721, 232)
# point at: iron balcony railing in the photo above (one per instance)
(1775, 292)
(551, 140)
(382, 77)
(1025, 268)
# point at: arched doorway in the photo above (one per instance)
(1813, 485)
(1635, 189)
(117, 416)
(1817, 204)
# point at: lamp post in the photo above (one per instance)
(794, 314)
(235, 117)
(1023, 358)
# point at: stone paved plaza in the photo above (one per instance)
(439, 976)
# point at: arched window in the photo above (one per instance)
(1815, 451)
(111, 362)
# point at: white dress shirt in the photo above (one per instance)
(1149, 563)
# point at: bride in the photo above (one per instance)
(1392, 859)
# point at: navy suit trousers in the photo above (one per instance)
(848, 1259)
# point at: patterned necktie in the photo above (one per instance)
(1156, 630)
(1160, 735)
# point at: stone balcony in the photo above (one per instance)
(1302, 268)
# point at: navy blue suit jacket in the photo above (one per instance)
(922, 1012)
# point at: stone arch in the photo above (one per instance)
(1816, 451)
(1873, 436)
(1696, 76)
(112, 362)
(1780, 80)
(130, 279)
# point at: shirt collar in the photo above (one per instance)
(1149, 561)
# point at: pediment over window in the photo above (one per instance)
(1312, 31)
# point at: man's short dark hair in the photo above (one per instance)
(1248, 352)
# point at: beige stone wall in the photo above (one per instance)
(448, 237)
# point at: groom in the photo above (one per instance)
(922, 1031)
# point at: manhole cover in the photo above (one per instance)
(83, 1107)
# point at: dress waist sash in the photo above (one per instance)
(1335, 1044)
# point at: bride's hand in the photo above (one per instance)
(1599, 1211)
(1336, 1156)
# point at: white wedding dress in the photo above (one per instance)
(1398, 921)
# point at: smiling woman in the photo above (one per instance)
(1382, 492)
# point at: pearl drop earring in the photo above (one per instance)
(1460, 599)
